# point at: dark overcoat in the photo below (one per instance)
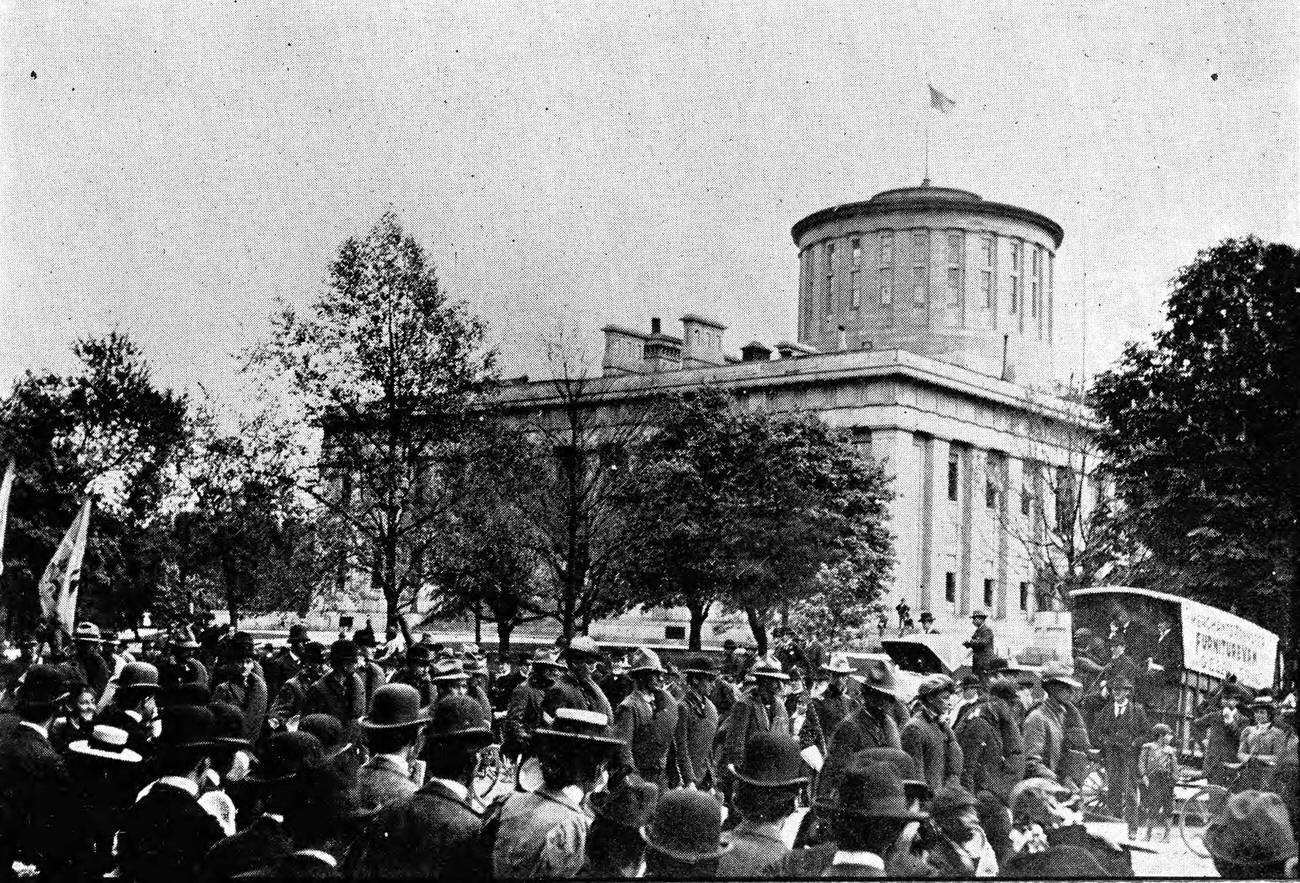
(431, 835)
(865, 728)
(165, 837)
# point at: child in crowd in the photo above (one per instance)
(1157, 771)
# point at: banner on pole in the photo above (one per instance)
(6, 486)
(58, 588)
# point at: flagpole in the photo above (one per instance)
(925, 181)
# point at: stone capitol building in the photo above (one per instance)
(926, 329)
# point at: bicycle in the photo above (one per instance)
(1200, 805)
(493, 769)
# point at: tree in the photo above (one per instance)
(243, 531)
(571, 506)
(486, 569)
(750, 510)
(391, 372)
(1202, 430)
(109, 431)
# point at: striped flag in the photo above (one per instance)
(6, 486)
(59, 584)
(941, 102)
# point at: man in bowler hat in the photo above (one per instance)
(392, 731)
(433, 834)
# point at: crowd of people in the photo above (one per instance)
(212, 759)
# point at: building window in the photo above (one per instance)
(1024, 596)
(986, 289)
(954, 248)
(862, 441)
(954, 287)
(886, 247)
(1043, 598)
(1015, 257)
(1064, 500)
(986, 252)
(990, 493)
(921, 249)
(1015, 294)
(1026, 486)
(886, 286)
(918, 286)
(855, 290)
(950, 587)
(856, 244)
(1033, 298)
(954, 472)
(988, 593)
(830, 277)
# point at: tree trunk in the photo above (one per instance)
(699, 613)
(758, 628)
(504, 628)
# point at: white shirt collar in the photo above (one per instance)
(453, 786)
(399, 761)
(869, 859)
(134, 715)
(186, 784)
(37, 727)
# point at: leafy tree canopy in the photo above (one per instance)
(1203, 429)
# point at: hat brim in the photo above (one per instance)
(120, 686)
(1064, 679)
(654, 668)
(481, 735)
(770, 675)
(700, 671)
(368, 724)
(832, 807)
(547, 735)
(767, 783)
(883, 691)
(232, 741)
(126, 755)
(846, 670)
(582, 656)
(681, 856)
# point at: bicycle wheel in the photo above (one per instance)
(1092, 791)
(1195, 816)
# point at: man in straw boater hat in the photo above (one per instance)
(134, 706)
(104, 773)
(647, 722)
(872, 826)
(433, 834)
(577, 688)
(759, 710)
(763, 793)
(36, 809)
(827, 709)
(524, 712)
(392, 731)
(1046, 819)
(871, 725)
(165, 835)
(544, 833)
(308, 816)
(699, 720)
(684, 837)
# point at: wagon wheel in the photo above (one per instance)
(492, 769)
(1195, 815)
(1092, 791)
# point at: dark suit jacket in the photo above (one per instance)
(37, 810)
(346, 701)
(1126, 732)
(861, 730)
(165, 836)
(748, 716)
(431, 835)
(259, 844)
(699, 720)
(522, 717)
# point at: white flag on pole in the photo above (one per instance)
(6, 485)
(59, 584)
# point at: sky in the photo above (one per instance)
(170, 170)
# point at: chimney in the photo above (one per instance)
(755, 352)
(844, 340)
(654, 325)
